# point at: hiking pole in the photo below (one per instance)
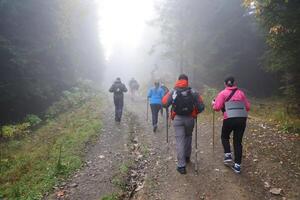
(213, 136)
(147, 109)
(196, 145)
(167, 125)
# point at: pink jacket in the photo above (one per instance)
(238, 96)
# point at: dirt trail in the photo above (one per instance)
(154, 175)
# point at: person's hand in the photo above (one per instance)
(213, 102)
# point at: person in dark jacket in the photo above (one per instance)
(118, 88)
(166, 90)
(133, 87)
(186, 105)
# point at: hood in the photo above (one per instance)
(181, 84)
(117, 81)
(231, 88)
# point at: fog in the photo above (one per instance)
(47, 47)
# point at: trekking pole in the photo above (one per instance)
(213, 136)
(167, 125)
(147, 109)
(196, 145)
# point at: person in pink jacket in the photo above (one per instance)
(235, 106)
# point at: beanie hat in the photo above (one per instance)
(183, 77)
(229, 81)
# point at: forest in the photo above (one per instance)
(59, 57)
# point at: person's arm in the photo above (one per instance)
(219, 102)
(167, 99)
(124, 88)
(112, 88)
(198, 102)
(247, 103)
(149, 95)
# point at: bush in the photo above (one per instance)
(209, 94)
(10, 131)
(33, 120)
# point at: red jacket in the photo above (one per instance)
(181, 84)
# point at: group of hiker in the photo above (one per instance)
(186, 104)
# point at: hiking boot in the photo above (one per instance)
(228, 159)
(187, 159)
(154, 129)
(181, 170)
(236, 168)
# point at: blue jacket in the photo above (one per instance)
(155, 95)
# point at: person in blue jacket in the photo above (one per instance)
(155, 95)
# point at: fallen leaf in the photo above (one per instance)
(60, 193)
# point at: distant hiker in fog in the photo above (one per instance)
(118, 88)
(235, 106)
(155, 95)
(133, 87)
(186, 105)
(166, 90)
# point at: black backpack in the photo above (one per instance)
(183, 104)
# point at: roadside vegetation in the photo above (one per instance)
(34, 158)
(275, 111)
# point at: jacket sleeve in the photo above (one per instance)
(112, 88)
(247, 103)
(124, 88)
(198, 102)
(219, 102)
(167, 99)
(149, 93)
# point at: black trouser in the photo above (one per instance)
(119, 102)
(155, 110)
(237, 125)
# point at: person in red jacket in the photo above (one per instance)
(235, 106)
(186, 105)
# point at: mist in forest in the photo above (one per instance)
(47, 47)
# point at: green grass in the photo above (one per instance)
(110, 197)
(31, 166)
(274, 111)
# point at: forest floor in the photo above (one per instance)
(129, 161)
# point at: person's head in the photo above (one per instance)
(118, 79)
(183, 77)
(229, 81)
(156, 84)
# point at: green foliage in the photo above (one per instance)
(31, 166)
(33, 120)
(10, 131)
(209, 94)
(276, 111)
(110, 197)
(74, 97)
(42, 54)
(213, 39)
(280, 20)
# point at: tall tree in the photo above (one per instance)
(280, 18)
(45, 47)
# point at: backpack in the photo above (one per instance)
(183, 102)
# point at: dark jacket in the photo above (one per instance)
(181, 85)
(118, 88)
(133, 84)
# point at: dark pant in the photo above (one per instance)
(237, 125)
(155, 110)
(119, 102)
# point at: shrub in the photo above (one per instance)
(33, 120)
